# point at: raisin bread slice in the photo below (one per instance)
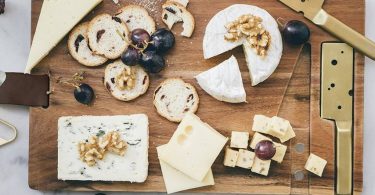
(182, 2)
(79, 47)
(107, 36)
(174, 98)
(135, 16)
(125, 89)
(174, 12)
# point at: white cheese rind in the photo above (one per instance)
(132, 167)
(176, 181)
(193, 147)
(57, 18)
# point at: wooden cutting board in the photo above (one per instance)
(292, 91)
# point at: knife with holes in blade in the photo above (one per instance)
(312, 10)
(337, 76)
(24, 89)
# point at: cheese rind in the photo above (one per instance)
(245, 159)
(176, 181)
(193, 147)
(257, 138)
(315, 164)
(57, 18)
(230, 157)
(280, 152)
(261, 167)
(133, 166)
(239, 139)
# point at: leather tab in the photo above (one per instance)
(25, 89)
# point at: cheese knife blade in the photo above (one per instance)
(312, 10)
(337, 75)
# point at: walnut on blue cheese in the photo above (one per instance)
(315, 164)
(132, 166)
(239, 139)
(261, 167)
(230, 157)
(245, 159)
(257, 138)
(261, 123)
(280, 152)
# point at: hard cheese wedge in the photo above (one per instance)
(56, 19)
(193, 147)
(176, 181)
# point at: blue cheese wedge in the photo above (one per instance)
(193, 147)
(132, 167)
(176, 181)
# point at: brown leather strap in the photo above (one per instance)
(25, 89)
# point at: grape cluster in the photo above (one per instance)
(147, 50)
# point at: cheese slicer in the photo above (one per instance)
(337, 75)
(312, 10)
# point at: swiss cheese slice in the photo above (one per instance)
(224, 82)
(193, 147)
(176, 181)
(56, 19)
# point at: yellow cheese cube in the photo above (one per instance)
(280, 152)
(257, 138)
(230, 157)
(261, 167)
(245, 159)
(315, 164)
(239, 139)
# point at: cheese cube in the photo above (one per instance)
(245, 159)
(315, 164)
(239, 139)
(230, 157)
(289, 134)
(278, 127)
(261, 167)
(176, 181)
(280, 152)
(261, 123)
(257, 138)
(193, 147)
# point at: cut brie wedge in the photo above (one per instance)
(56, 19)
(214, 43)
(224, 82)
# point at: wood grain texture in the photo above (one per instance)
(186, 61)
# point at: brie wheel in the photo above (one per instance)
(214, 43)
(224, 82)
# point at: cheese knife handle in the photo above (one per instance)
(344, 154)
(345, 33)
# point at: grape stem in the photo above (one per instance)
(75, 81)
(281, 21)
(131, 44)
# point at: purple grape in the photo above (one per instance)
(140, 37)
(84, 94)
(296, 32)
(265, 150)
(131, 56)
(163, 40)
(152, 62)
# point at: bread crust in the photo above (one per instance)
(147, 19)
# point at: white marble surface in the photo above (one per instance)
(14, 42)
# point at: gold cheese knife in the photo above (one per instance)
(337, 104)
(312, 10)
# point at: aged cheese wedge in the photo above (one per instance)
(56, 19)
(193, 147)
(176, 181)
(224, 82)
(214, 43)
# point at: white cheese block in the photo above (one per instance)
(280, 152)
(230, 157)
(176, 181)
(224, 82)
(257, 138)
(261, 167)
(245, 159)
(239, 139)
(132, 167)
(315, 164)
(289, 134)
(278, 127)
(214, 43)
(57, 18)
(193, 147)
(261, 124)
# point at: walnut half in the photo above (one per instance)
(126, 79)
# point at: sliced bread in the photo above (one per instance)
(182, 2)
(174, 98)
(124, 82)
(79, 47)
(135, 16)
(174, 12)
(108, 36)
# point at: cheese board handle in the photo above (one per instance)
(344, 154)
(345, 33)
